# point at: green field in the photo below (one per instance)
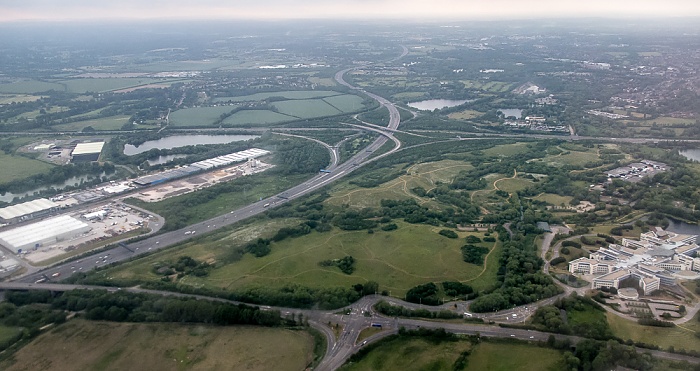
(108, 84)
(398, 260)
(425, 175)
(198, 116)
(420, 354)
(8, 333)
(465, 115)
(17, 98)
(679, 337)
(345, 103)
(306, 109)
(88, 345)
(553, 199)
(292, 94)
(18, 167)
(103, 123)
(507, 150)
(30, 87)
(511, 185)
(509, 357)
(256, 117)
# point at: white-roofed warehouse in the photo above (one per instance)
(86, 152)
(45, 232)
(27, 210)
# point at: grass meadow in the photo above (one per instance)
(256, 117)
(397, 260)
(18, 167)
(87, 345)
(679, 337)
(419, 354)
(198, 116)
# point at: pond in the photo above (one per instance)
(429, 105)
(176, 141)
(691, 154)
(678, 226)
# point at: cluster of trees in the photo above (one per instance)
(520, 277)
(601, 355)
(386, 308)
(424, 294)
(27, 313)
(298, 296)
(474, 254)
(454, 289)
(184, 266)
(345, 264)
(549, 318)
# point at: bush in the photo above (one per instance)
(489, 239)
(557, 260)
(448, 233)
(565, 250)
(474, 239)
(571, 244)
(389, 227)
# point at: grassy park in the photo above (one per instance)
(680, 337)
(398, 260)
(18, 167)
(87, 345)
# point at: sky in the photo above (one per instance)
(76, 10)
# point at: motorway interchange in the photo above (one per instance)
(360, 314)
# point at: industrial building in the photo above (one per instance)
(196, 167)
(27, 210)
(87, 152)
(41, 233)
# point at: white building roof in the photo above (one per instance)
(26, 208)
(41, 231)
(86, 148)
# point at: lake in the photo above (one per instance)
(176, 141)
(74, 181)
(690, 154)
(507, 112)
(429, 105)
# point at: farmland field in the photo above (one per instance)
(345, 103)
(103, 123)
(108, 84)
(30, 87)
(18, 167)
(198, 116)
(256, 117)
(306, 109)
(17, 98)
(88, 345)
(419, 354)
(292, 94)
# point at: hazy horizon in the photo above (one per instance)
(80, 10)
